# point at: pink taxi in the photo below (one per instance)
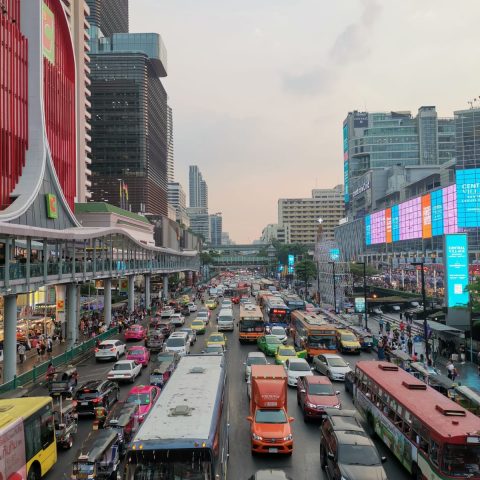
(139, 354)
(145, 397)
(135, 332)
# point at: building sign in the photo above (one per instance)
(52, 210)
(359, 305)
(48, 34)
(426, 217)
(346, 176)
(360, 120)
(334, 254)
(468, 197)
(60, 306)
(123, 285)
(456, 269)
(291, 262)
(362, 188)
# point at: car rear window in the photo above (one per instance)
(105, 346)
(87, 395)
(122, 366)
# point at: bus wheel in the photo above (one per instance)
(33, 474)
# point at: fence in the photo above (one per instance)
(68, 356)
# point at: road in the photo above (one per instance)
(304, 463)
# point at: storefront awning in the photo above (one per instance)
(440, 327)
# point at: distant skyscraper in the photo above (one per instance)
(178, 200)
(170, 158)
(108, 17)
(199, 222)
(198, 189)
(216, 229)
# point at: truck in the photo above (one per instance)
(270, 429)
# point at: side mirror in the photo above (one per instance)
(348, 364)
(203, 351)
(337, 392)
(291, 419)
(312, 369)
(303, 390)
(330, 455)
(384, 459)
(249, 418)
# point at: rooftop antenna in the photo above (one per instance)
(471, 104)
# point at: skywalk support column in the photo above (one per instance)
(131, 293)
(107, 301)
(72, 324)
(10, 338)
(147, 290)
(165, 287)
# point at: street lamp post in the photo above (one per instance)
(424, 299)
(334, 287)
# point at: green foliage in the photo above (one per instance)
(306, 270)
(356, 269)
(284, 250)
(474, 290)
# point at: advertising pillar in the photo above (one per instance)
(107, 301)
(131, 293)
(10, 338)
(147, 291)
(72, 327)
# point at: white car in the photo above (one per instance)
(177, 319)
(226, 303)
(280, 333)
(253, 358)
(204, 315)
(295, 368)
(109, 350)
(125, 371)
(331, 365)
(178, 342)
(192, 307)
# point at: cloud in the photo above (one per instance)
(313, 82)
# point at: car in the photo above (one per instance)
(280, 333)
(211, 303)
(95, 393)
(268, 344)
(177, 320)
(283, 353)
(226, 303)
(125, 370)
(162, 368)
(348, 342)
(167, 312)
(315, 393)
(331, 365)
(138, 354)
(217, 338)
(145, 397)
(135, 332)
(203, 315)
(245, 300)
(198, 326)
(253, 358)
(192, 334)
(109, 350)
(296, 368)
(346, 451)
(213, 349)
(192, 307)
(185, 311)
(236, 299)
(270, 474)
(377, 311)
(178, 342)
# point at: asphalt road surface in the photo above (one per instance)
(304, 464)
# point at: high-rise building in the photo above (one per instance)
(226, 239)
(170, 155)
(129, 121)
(301, 215)
(199, 222)
(216, 228)
(386, 139)
(77, 12)
(198, 189)
(178, 200)
(108, 17)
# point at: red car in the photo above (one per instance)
(138, 354)
(135, 332)
(314, 394)
(236, 299)
(145, 397)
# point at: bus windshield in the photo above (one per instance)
(322, 341)
(461, 460)
(172, 464)
(251, 325)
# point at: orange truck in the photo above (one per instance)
(270, 427)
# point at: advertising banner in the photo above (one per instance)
(436, 201)
(468, 197)
(359, 305)
(48, 37)
(368, 230)
(426, 216)
(360, 120)
(456, 269)
(346, 186)
(334, 254)
(395, 224)
(60, 293)
(291, 262)
(388, 225)
(12, 451)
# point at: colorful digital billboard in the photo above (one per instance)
(346, 193)
(468, 197)
(334, 254)
(436, 202)
(426, 216)
(456, 269)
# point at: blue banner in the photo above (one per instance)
(437, 212)
(468, 197)
(368, 230)
(395, 224)
(456, 269)
(334, 254)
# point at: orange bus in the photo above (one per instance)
(262, 297)
(312, 333)
(251, 324)
(432, 436)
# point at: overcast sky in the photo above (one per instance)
(260, 88)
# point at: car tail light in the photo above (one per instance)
(112, 349)
(96, 350)
(96, 400)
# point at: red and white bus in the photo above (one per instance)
(432, 436)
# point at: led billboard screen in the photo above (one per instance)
(436, 201)
(426, 216)
(456, 269)
(468, 197)
(346, 193)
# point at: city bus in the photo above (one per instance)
(185, 435)
(27, 433)
(312, 333)
(275, 312)
(251, 324)
(294, 302)
(262, 297)
(432, 436)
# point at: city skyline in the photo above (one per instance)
(269, 99)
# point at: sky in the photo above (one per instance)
(260, 88)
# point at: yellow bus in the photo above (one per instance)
(251, 324)
(27, 437)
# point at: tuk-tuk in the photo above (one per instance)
(66, 420)
(162, 368)
(63, 382)
(468, 399)
(99, 457)
(364, 337)
(154, 340)
(401, 359)
(123, 419)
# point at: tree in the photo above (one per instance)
(306, 270)
(356, 269)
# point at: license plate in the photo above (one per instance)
(84, 403)
(273, 450)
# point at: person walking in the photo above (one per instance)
(381, 351)
(22, 352)
(450, 370)
(388, 327)
(410, 345)
(380, 325)
(49, 346)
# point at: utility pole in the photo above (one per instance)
(424, 298)
(334, 287)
